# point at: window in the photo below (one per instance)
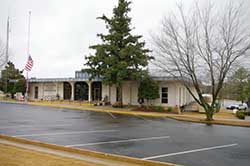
(180, 101)
(164, 95)
(117, 94)
(36, 92)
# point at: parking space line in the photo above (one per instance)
(119, 141)
(190, 151)
(112, 115)
(140, 117)
(65, 133)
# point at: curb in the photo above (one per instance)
(86, 152)
(103, 110)
(218, 122)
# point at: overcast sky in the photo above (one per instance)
(62, 30)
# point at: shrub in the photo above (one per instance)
(148, 90)
(240, 115)
(117, 104)
(57, 96)
(170, 109)
(158, 108)
(247, 113)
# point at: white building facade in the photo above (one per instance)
(172, 92)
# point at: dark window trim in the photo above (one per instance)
(36, 92)
(164, 100)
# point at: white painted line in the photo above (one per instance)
(33, 126)
(113, 116)
(65, 133)
(119, 141)
(140, 117)
(190, 151)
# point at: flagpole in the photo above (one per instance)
(28, 42)
(28, 53)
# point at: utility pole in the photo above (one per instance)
(7, 41)
(7, 52)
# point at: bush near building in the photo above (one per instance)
(158, 108)
(240, 114)
(148, 90)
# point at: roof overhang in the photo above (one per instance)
(37, 80)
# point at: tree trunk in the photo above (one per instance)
(109, 98)
(147, 104)
(209, 113)
(120, 95)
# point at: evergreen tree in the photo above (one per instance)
(238, 85)
(12, 80)
(247, 92)
(121, 56)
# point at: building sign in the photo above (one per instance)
(50, 88)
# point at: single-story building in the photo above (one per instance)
(172, 91)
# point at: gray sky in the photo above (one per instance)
(62, 30)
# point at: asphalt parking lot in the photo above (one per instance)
(159, 139)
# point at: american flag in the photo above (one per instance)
(29, 64)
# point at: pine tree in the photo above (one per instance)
(120, 56)
(12, 73)
(236, 87)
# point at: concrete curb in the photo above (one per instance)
(85, 152)
(103, 110)
(218, 122)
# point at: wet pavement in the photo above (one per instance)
(159, 139)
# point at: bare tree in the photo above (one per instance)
(202, 46)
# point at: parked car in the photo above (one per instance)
(242, 106)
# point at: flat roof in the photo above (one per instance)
(60, 79)
(83, 79)
(157, 75)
